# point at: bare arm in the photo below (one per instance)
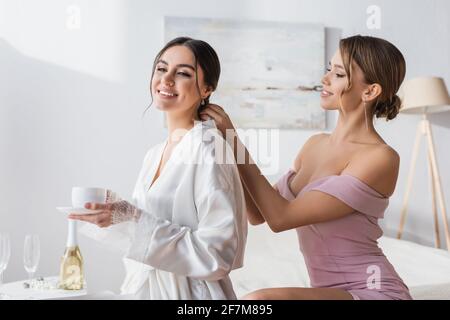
(316, 206)
(279, 213)
(312, 207)
(253, 214)
(251, 177)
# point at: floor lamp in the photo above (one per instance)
(424, 96)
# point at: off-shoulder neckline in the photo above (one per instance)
(315, 181)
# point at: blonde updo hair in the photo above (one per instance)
(381, 62)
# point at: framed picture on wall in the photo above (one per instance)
(270, 70)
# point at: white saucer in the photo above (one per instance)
(77, 211)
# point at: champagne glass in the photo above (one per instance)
(5, 253)
(31, 254)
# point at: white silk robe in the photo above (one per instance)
(193, 229)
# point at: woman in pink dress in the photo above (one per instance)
(340, 183)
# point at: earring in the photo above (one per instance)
(365, 114)
(203, 102)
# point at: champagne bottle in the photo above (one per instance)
(71, 276)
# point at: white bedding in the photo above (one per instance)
(274, 260)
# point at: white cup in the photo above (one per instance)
(82, 195)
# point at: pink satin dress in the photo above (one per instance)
(344, 253)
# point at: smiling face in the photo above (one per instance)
(174, 82)
(335, 83)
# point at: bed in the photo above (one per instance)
(274, 260)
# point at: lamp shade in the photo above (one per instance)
(424, 95)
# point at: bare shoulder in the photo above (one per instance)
(312, 142)
(385, 156)
(377, 166)
(318, 137)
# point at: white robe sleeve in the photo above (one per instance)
(117, 237)
(208, 253)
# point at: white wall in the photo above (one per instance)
(71, 102)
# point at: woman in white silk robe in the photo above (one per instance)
(194, 230)
(186, 228)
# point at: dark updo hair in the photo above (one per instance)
(204, 55)
(381, 62)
